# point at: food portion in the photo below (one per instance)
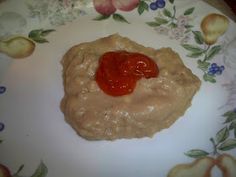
(157, 99)
(119, 71)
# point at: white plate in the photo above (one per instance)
(35, 132)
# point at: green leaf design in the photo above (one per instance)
(161, 20)
(187, 31)
(18, 171)
(230, 118)
(234, 132)
(153, 24)
(227, 145)
(209, 78)
(158, 22)
(222, 135)
(41, 171)
(232, 125)
(213, 51)
(196, 54)
(167, 13)
(174, 9)
(142, 7)
(193, 48)
(173, 25)
(40, 40)
(119, 18)
(101, 17)
(189, 11)
(198, 37)
(196, 153)
(46, 32)
(188, 26)
(39, 34)
(203, 65)
(172, 1)
(35, 33)
(229, 113)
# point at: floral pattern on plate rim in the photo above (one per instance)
(179, 28)
(224, 140)
(166, 23)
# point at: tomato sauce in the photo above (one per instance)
(118, 71)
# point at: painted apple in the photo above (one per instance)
(125, 5)
(4, 171)
(104, 7)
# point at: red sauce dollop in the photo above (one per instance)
(119, 71)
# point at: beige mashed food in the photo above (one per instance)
(155, 104)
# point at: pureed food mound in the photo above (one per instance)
(154, 103)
